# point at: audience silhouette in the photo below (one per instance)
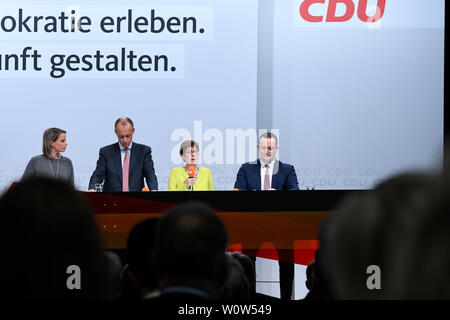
(50, 244)
(392, 242)
(370, 231)
(190, 253)
(237, 285)
(139, 275)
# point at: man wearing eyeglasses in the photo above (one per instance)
(267, 173)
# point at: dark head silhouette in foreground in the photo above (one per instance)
(249, 269)
(237, 285)
(48, 230)
(384, 244)
(190, 252)
(139, 276)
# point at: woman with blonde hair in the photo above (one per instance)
(51, 163)
(190, 177)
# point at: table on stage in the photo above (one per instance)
(259, 223)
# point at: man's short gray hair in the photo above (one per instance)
(123, 119)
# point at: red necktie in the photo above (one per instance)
(125, 170)
(266, 178)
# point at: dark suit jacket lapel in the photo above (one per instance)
(257, 175)
(132, 160)
(118, 161)
(276, 175)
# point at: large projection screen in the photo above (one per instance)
(205, 90)
(353, 102)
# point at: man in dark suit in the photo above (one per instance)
(122, 166)
(267, 173)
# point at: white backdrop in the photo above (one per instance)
(365, 101)
(213, 87)
(353, 102)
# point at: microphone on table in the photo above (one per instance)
(191, 173)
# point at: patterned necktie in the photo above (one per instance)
(125, 171)
(267, 178)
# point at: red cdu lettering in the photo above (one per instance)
(304, 10)
(348, 14)
(362, 9)
(349, 10)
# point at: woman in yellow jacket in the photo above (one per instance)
(190, 177)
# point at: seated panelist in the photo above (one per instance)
(267, 173)
(190, 177)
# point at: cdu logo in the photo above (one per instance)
(339, 10)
